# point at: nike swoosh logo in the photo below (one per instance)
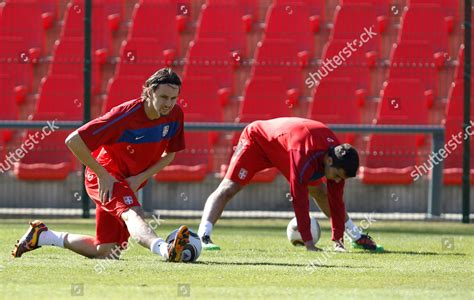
(139, 137)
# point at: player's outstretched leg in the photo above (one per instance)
(141, 231)
(213, 209)
(38, 235)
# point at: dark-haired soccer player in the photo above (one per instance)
(305, 151)
(121, 151)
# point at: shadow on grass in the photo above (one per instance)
(280, 265)
(410, 253)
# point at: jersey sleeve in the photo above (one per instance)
(177, 142)
(299, 194)
(337, 208)
(104, 130)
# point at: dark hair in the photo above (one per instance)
(345, 157)
(162, 76)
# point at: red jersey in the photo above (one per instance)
(297, 147)
(126, 142)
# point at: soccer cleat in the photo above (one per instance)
(365, 242)
(175, 248)
(207, 243)
(29, 241)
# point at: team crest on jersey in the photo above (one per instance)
(243, 173)
(330, 140)
(90, 176)
(165, 130)
(128, 200)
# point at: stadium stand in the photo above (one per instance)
(390, 158)
(454, 125)
(333, 105)
(414, 60)
(259, 65)
(415, 28)
(211, 58)
(9, 109)
(16, 63)
(225, 21)
(60, 98)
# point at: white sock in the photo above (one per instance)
(52, 238)
(352, 230)
(160, 247)
(205, 228)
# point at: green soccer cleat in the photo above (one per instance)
(365, 242)
(207, 243)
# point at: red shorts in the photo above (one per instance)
(248, 159)
(110, 228)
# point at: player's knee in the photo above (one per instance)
(109, 251)
(133, 211)
(227, 189)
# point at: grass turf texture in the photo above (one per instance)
(424, 260)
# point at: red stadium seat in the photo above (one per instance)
(264, 98)
(382, 7)
(68, 60)
(354, 67)
(454, 126)
(141, 58)
(415, 28)
(278, 58)
(15, 61)
(9, 109)
(199, 101)
(22, 19)
(223, 21)
(334, 102)
(402, 103)
(459, 72)
(392, 157)
(60, 97)
(315, 8)
(74, 27)
(115, 11)
(49, 12)
(191, 164)
(121, 89)
(49, 160)
(450, 10)
(147, 24)
(414, 60)
(352, 20)
(210, 57)
(249, 8)
(291, 21)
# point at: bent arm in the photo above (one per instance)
(80, 150)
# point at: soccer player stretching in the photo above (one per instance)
(121, 151)
(304, 151)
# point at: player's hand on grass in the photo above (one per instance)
(339, 246)
(134, 182)
(310, 246)
(106, 187)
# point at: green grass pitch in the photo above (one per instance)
(425, 260)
